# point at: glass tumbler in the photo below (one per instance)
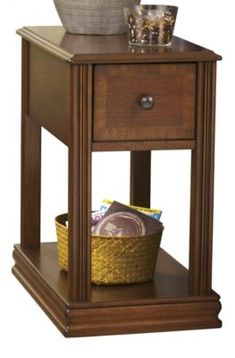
(151, 25)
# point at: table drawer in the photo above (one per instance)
(144, 102)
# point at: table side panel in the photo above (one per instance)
(49, 92)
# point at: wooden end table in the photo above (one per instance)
(94, 93)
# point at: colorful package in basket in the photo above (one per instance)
(96, 216)
(121, 220)
(155, 213)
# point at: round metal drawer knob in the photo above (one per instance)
(147, 102)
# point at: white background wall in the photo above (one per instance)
(24, 328)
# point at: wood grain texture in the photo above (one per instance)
(30, 164)
(118, 114)
(49, 92)
(36, 284)
(140, 319)
(58, 89)
(79, 49)
(140, 178)
(170, 284)
(80, 183)
(94, 318)
(143, 145)
(202, 183)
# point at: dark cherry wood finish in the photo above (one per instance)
(49, 102)
(140, 178)
(162, 305)
(110, 49)
(80, 183)
(118, 90)
(30, 163)
(85, 90)
(202, 178)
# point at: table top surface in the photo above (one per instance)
(112, 48)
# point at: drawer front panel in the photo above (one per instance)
(122, 93)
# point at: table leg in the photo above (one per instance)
(30, 164)
(140, 179)
(79, 274)
(202, 173)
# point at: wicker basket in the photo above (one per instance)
(115, 260)
(100, 17)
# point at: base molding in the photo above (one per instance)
(92, 319)
(139, 319)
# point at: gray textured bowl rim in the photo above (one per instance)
(153, 7)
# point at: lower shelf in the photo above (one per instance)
(160, 305)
